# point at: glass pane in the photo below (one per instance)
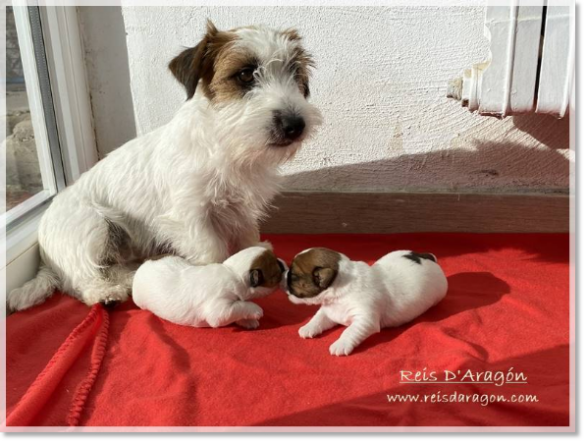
(23, 174)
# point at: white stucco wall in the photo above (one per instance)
(380, 83)
(106, 57)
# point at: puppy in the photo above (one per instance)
(196, 187)
(213, 295)
(396, 289)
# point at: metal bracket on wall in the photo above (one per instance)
(531, 62)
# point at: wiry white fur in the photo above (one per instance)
(213, 295)
(392, 292)
(197, 186)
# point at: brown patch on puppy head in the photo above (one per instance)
(191, 64)
(312, 272)
(226, 70)
(233, 74)
(203, 60)
(266, 270)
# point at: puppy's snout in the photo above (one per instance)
(290, 126)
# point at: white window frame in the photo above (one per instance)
(71, 100)
(38, 120)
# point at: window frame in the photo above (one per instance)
(63, 48)
(42, 115)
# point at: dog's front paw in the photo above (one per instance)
(248, 323)
(340, 348)
(308, 331)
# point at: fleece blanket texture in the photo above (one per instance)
(506, 312)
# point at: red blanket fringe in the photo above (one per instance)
(93, 327)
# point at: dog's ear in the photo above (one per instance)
(189, 66)
(256, 278)
(324, 277)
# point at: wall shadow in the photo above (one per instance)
(491, 164)
(550, 131)
(485, 167)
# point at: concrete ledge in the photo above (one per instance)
(316, 213)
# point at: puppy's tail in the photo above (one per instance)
(33, 292)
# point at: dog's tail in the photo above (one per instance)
(33, 292)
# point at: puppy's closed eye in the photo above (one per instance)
(256, 278)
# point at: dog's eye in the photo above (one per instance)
(246, 75)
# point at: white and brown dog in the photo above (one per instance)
(395, 290)
(195, 187)
(212, 295)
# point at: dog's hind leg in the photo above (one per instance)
(122, 274)
(112, 287)
(86, 251)
(115, 282)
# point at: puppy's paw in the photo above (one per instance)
(255, 312)
(308, 331)
(248, 323)
(340, 348)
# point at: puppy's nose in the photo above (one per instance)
(291, 125)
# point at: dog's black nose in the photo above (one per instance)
(292, 126)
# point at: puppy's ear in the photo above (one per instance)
(324, 277)
(188, 67)
(256, 278)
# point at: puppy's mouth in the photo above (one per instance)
(296, 300)
(299, 299)
(302, 300)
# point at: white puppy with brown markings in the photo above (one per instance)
(213, 295)
(395, 290)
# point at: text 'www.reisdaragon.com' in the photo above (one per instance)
(455, 397)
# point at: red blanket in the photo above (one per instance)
(507, 307)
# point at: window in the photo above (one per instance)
(49, 139)
(34, 168)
